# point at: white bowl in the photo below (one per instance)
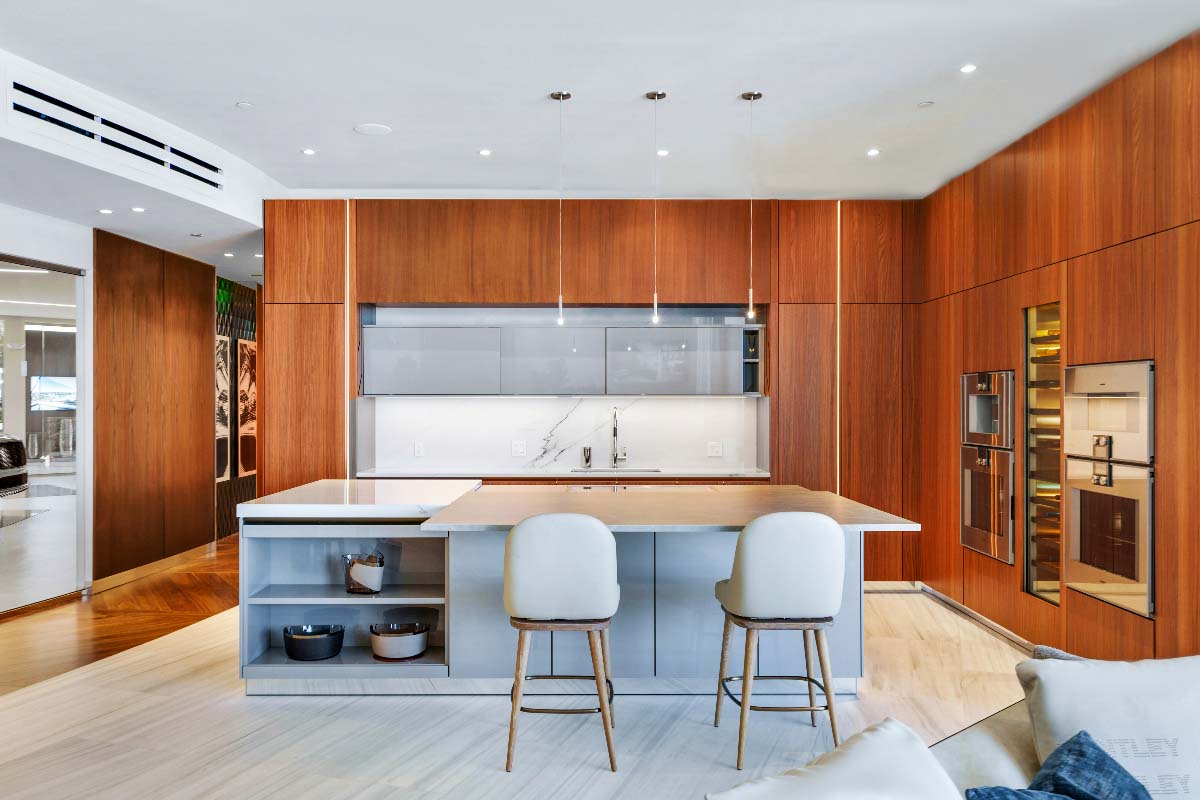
(399, 640)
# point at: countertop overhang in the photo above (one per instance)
(359, 499)
(596, 474)
(656, 508)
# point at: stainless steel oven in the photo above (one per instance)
(987, 501)
(1108, 436)
(987, 409)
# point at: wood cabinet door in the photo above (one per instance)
(704, 251)
(608, 252)
(413, 251)
(303, 375)
(1177, 129)
(1110, 304)
(804, 404)
(872, 248)
(808, 251)
(304, 251)
(514, 251)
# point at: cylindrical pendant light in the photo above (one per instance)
(560, 97)
(655, 97)
(750, 97)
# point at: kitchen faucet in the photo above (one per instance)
(618, 453)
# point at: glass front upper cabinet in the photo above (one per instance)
(1043, 451)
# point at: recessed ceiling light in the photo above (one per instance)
(485, 152)
(137, 209)
(967, 69)
(105, 210)
(258, 255)
(664, 152)
(372, 129)
(874, 151)
(308, 151)
(229, 255)
(195, 235)
(925, 104)
(242, 104)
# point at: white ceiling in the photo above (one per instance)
(838, 76)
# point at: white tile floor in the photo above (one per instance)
(38, 555)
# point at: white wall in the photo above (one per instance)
(31, 235)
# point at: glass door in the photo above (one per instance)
(39, 519)
(1043, 451)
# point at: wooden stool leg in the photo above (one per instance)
(602, 693)
(747, 689)
(612, 712)
(726, 638)
(808, 673)
(827, 679)
(518, 691)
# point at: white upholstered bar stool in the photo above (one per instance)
(787, 575)
(560, 574)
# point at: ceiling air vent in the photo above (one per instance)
(70, 117)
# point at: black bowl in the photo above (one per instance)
(312, 642)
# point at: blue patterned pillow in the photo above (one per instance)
(1078, 770)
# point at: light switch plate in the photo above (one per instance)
(418, 449)
(715, 450)
(518, 448)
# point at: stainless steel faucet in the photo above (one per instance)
(619, 454)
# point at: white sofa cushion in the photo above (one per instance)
(997, 751)
(1145, 714)
(885, 762)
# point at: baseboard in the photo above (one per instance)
(975, 616)
(121, 578)
(41, 605)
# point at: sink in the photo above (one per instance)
(615, 470)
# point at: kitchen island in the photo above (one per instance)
(447, 567)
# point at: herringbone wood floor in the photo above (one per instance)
(46, 643)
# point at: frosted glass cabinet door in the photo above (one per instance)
(674, 360)
(552, 360)
(431, 360)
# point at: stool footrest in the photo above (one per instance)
(592, 678)
(738, 700)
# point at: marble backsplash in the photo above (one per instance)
(487, 434)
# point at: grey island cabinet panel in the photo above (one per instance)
(552, 360)
(683, 361)
(431, 361)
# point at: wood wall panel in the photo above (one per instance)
(1035, 191)
(808, 251)
(1096, 629)
(1177, 129)
(933, 366)
(128, 354)
(872, 243)
(1177, 441)
(804, 406)
(704, 251)
(304, 377)
(993, 589)
(995, 219)
(305, 251)
(189, 313)
(412, 251)
(1110, 302)
(514, 251)
(608, 252)
(872, 425)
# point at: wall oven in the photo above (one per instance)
(986, 464)
(1108, 430)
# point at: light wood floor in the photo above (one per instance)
(168, 719)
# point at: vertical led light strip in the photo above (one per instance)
(837, 395)
(350, 363)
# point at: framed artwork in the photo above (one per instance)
(223, 410)
(247, 380)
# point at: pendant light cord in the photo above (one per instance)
(561, 148)
(654, 188)
(750, 193)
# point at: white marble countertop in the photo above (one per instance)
(359, 499)
(598, 473)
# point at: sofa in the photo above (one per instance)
(997, 751)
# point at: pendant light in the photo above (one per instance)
(750, 97)
(655, 97)
(561, 97)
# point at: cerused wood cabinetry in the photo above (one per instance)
(704, 251)
(608, 251)
(154, 323)
(416, 251)
(872, 251)
(808, 251)
(1177, 128)
(1110, 304)
(304, 251)
(804, 408)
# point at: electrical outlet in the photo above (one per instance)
(419, 449)
(518, 448)
(715, 450)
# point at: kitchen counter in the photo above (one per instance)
(597, 474)
(358, 499)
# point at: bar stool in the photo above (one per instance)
(787, 575)
(560, 574)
